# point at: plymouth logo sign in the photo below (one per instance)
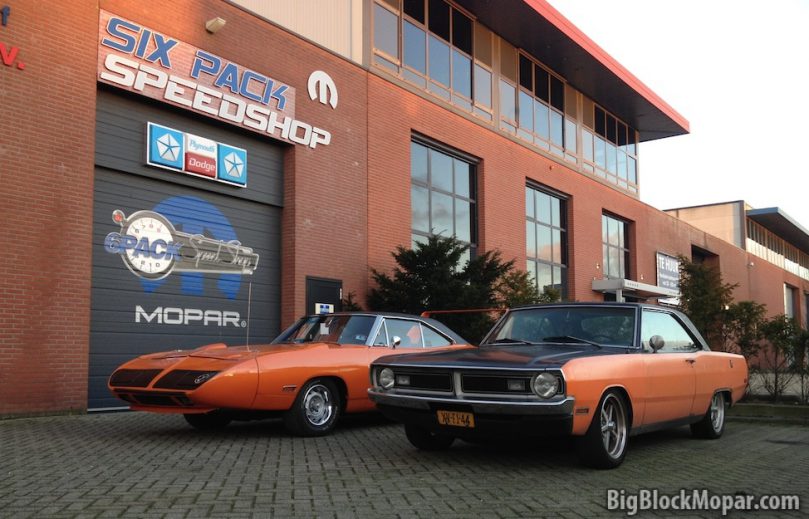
(152, 248)
(187, 153)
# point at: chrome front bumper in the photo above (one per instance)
(556, 407)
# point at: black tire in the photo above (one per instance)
(712, 424)
(426, 440)
(315, 410)
(211, 421)
(605, 443)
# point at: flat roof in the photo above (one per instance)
(542, 31)
(782, 225)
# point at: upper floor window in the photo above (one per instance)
(615, 247)
(437, 47)
(546, 239)
(540, 108)
(442, 195)
(609, 148)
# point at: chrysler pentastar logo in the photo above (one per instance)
(234, 165)
(168, 148)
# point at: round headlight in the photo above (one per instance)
(545, 385)
(385, 378)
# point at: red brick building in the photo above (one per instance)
(175, 174)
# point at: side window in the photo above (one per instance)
(382, 336)
(676, 338)
(408, 331)
(433, 339)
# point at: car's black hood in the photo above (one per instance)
(501, 356)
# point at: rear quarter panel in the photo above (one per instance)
(719, 371)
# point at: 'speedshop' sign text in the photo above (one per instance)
(138, 59)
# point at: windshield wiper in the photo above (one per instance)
(570, 338)
(509, 340)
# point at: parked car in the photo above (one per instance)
(312, 373)
(598, 371)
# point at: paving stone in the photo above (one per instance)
(144, 465)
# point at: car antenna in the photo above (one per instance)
(247, 324)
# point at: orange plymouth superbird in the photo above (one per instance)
(312, 373)
(600, 372)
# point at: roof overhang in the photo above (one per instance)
(782, 225)
(634, 288)
(539, 29)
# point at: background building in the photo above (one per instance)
(171, 180)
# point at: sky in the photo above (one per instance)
(738, 71)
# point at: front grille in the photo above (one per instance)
(184, 379)
(133, 377)
(495, 384)
(441, 381)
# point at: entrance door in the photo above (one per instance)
(323, 295)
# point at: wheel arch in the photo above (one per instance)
(621, 390)
(339, 383)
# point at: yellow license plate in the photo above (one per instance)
(456, 419)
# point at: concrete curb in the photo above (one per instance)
(760, 412)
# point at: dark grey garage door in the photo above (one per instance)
(178, 261)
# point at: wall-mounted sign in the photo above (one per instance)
(668, 275)
(188, 153)
(9, 54)
(324, 308)
(140, 60)
(152, 248)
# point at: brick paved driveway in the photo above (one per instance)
(143, 465)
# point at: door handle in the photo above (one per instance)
(690, 361)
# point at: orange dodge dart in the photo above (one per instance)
(312, 373)
(599, 371)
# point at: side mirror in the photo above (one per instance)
(656, 342)
(396, 341)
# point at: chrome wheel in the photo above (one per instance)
(316, 408)
(318, 405)
(613, 425)
(712, 423)
(717, 412)
(604, 444)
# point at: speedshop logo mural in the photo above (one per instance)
(152, 248)
(138, 59)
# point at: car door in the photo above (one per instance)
(670, 371)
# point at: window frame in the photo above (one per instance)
(429, 185)
(553, 225)
(625, 252)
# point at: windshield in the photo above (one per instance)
(606, 326)
(344, 329)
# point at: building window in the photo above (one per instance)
(435, 46)
(435, 50)
(790, 294)
(541, 103)
(615, 247)
(546, 239)
(442, 196)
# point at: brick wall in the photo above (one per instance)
(347, 205)
(504, 168)
(46, 171)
